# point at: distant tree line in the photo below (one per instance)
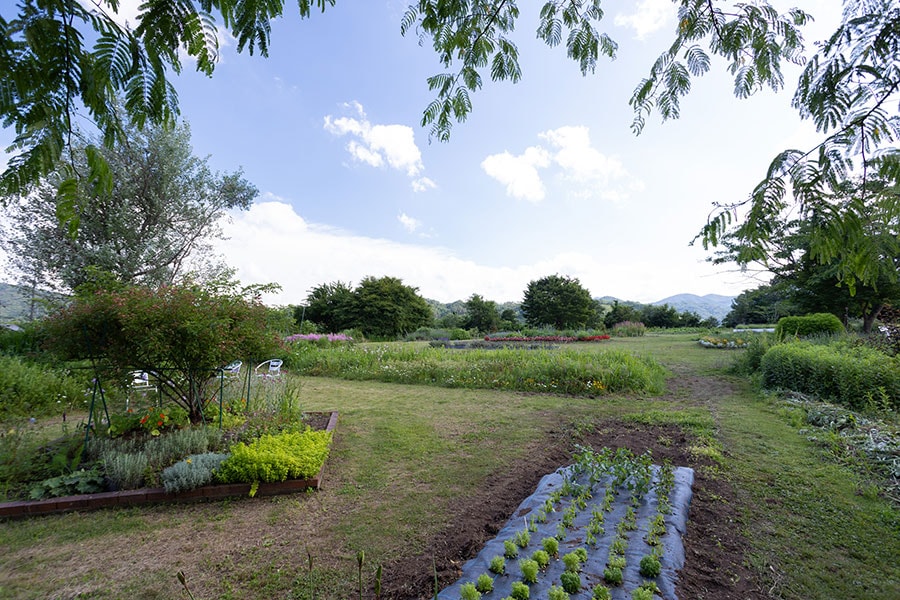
(385, 308)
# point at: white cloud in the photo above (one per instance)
(377, 145)
(578, 159)
(585, 170)
(423, 184)
(519, 173)
(410, 224)
(272, 243)
(649, 16)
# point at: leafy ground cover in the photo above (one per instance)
(421, 476)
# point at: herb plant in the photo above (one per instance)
(484, 583)
(557, 593)
(510, 550)
(519, 591)
(529, 570)
(571, 581)
(601, 592)
(613, 575)
(498, 565)
(650, 566)
(551, 546)
(541, 558)
(468, 591)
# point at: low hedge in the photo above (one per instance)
(814, 324)
(855, 377)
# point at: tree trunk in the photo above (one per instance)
(870, 316)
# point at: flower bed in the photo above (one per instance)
(710, 341)
(560, 339)
(261, 486)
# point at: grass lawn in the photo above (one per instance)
(409, 461)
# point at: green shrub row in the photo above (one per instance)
(273, 458)
(814, 324)
(558, 371)
(853, 376)
(32, 390)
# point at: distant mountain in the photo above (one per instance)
(710, 305)
(16, 305)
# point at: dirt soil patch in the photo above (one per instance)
(714, 547)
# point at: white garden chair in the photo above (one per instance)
(274, 369)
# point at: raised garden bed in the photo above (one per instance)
(83, 502)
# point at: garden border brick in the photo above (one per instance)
(19, 509)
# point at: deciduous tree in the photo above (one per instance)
(558, 301)
(386, 309)
(151, 227)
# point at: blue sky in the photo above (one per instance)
(544, 177)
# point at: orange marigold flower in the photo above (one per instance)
(160, 423)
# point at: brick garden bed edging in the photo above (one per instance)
(12, 510)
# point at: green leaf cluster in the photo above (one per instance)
(836, 372)
(273, 458)
(77, 482)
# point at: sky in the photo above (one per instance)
(544, 177)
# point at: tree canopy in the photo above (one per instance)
(151, 227)
(382, 307)
(559, 301)
(61, 58)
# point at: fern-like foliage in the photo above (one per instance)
(52, 76)
(849, 183)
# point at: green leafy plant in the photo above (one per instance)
(529, 570)
(541, 558)
(650, 566)
(570, 581)
(572, 561)
(498, 565)
(522, 538)
(550, 545)
(510, 549)
(519, 591)
(484, 583)
(601, 592)
(616, 561)
(78, 482)
(468, 591)
(641, 594)
(613, 576)
(557, 593)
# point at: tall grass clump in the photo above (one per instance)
(32, 390)
(748, 361)
(629, 329)
(847, 375)
(558, 371)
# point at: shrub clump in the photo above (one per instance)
(195, 471)
(30, 390)
(274, 458)
(814, 324)
(838, 373)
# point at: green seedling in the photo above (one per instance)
(498, 565)
(484, 583)
(510, 550)
(601, 592)
(650, 566)
(468, 591)
(529, 570)
(541, 558)
(519, 591)
(551, 546)
(571, 582)
(557, 593)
